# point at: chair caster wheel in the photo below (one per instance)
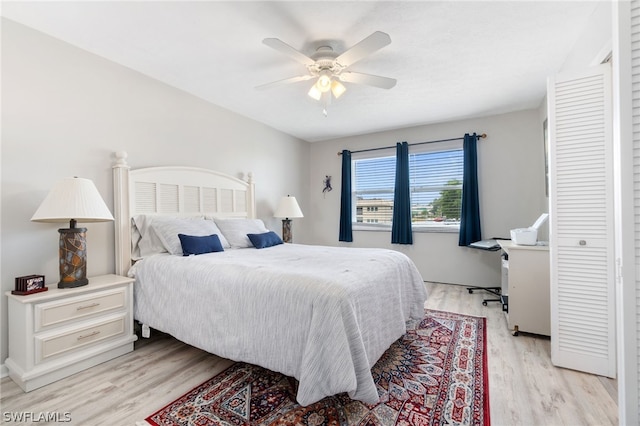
(484, 303)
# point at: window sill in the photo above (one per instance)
(448, 229)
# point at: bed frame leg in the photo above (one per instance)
(146, 331)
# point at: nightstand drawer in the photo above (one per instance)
(49, 345)
(58, 312)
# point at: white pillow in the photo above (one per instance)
(135, 240)
(236, 230)
(144, 240)
(167, 231)
(147, 243)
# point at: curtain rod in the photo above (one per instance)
(484, 135)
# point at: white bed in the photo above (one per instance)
(323, 315)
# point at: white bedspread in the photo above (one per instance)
(323, 315)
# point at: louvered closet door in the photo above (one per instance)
(581, 220)
(632, 396)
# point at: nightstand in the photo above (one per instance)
(59, 332)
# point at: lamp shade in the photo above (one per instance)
(315, 93)
(73, 198)
(337, 88)
(288, 208)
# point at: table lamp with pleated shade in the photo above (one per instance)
(74, 200)
(287, 209)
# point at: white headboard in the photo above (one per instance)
(173, 190)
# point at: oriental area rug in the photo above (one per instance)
(436, 374)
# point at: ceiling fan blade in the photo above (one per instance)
(374, 42)
(283, 47)
(368, 79)
(285, 81)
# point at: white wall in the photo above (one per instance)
(64, 111)
(511, 186)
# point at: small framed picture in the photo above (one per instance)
(29, 284)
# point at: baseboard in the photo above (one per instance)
(4, 372)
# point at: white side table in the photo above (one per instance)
(59, 332)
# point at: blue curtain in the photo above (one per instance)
(470, 215)
(346, 232)
(401, 225)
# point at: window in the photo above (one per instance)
(436, 189)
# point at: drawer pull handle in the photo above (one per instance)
(582, 242)
(86, 336)
(93, 305)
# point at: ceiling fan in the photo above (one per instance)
(330, 69)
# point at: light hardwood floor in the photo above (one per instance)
(524, 388)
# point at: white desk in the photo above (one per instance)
(528, 288)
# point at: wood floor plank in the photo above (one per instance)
(524, 387)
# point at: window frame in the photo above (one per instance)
(391, 152)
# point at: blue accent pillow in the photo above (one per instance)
(268, 239)
(199, 245)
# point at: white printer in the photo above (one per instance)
(528, 236)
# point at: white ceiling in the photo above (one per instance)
(452, 59)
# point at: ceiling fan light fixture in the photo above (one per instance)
(330, 69)
(337, 88)
(324, 81)
(314, 92)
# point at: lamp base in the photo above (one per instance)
(73, 257)
(73, 284)
(287, 235)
